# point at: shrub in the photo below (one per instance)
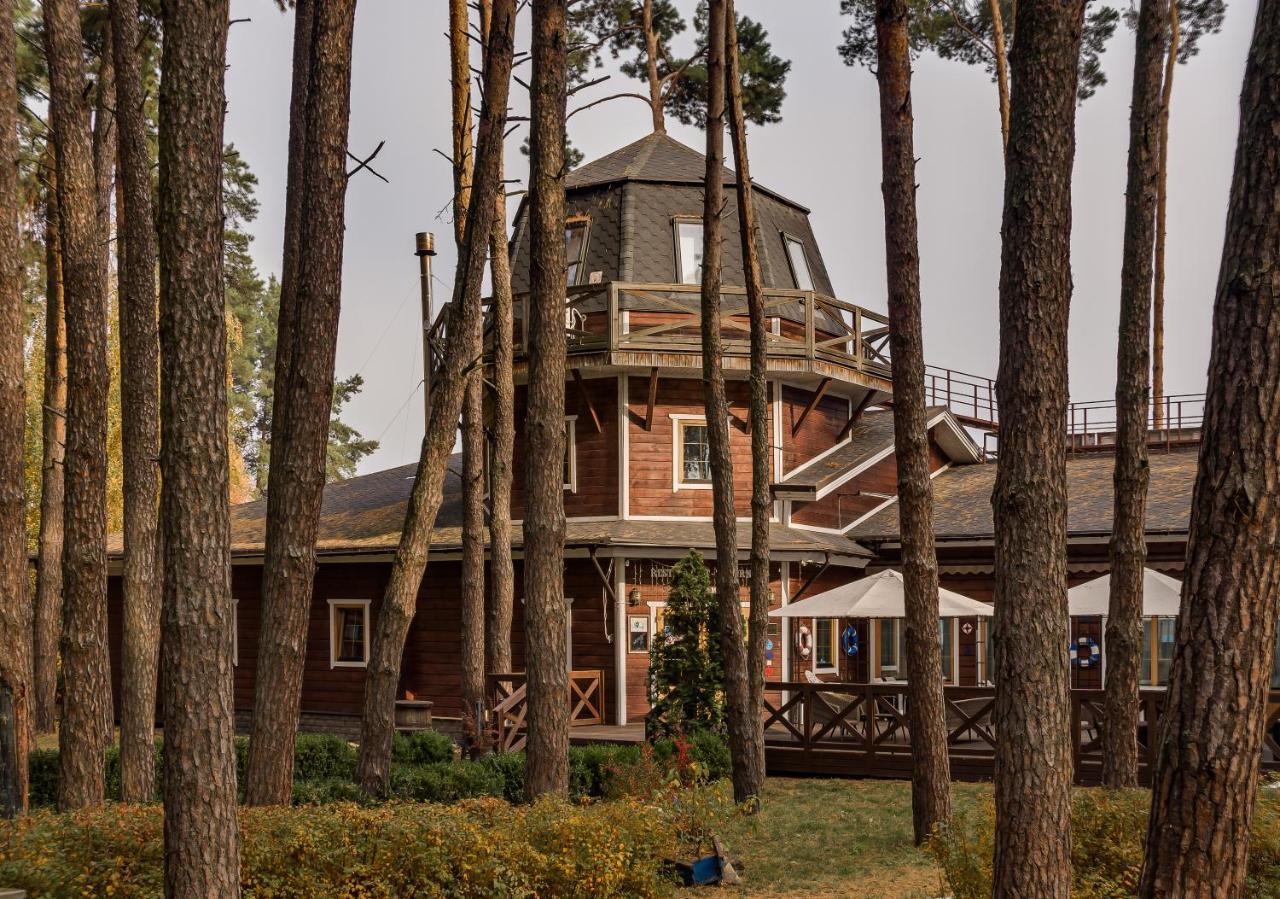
(508, 768)
(42, 768)
(422, 748)
(591, 766)
(476, 848)
(444, 782)
(323, 757)
(323, 792)
(1108, 832)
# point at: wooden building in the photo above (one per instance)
(636, 474)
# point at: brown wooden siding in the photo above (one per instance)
(857, 496)
(819, 431)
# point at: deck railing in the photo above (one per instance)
(863, 730)
(667, 318)
(508, 705)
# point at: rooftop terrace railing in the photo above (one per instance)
(666, 320)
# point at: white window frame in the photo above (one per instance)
(835, 650)
(787, 242)
(676, 222)
(335, 638)
(679, 421)
(235, 632)
(571, 451)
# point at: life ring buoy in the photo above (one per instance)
(804, 641)
(849, 639)
(1084, 652)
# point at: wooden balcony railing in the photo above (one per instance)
(862, 730)
(508, 705)
(620, 317)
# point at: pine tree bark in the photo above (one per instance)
(48, 602)
(1133, 366)
(391, 628)
(1216, 707)
(471, 638)
(502, 416)
(742, 724)
(545, 614)
(931, 766)
(296, 479)
(651, 50)
(140, 418)
(15, 608)
(86, 699)
(202, 856)
(753, 761)
(1033, 751)
(1162, 204)
(1001, 54)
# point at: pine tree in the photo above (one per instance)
(686, 669)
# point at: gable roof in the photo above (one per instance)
(962, 499)
(870, 440)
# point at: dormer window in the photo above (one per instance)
(575, 248)
(688, 251)
(799, 263)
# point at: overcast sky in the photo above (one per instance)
(824, 154)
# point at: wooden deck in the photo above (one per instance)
(861, 730)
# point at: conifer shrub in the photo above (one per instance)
(686, 669)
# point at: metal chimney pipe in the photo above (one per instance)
(424, 249)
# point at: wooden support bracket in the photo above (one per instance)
(857, 414)
(586, 399)
(813, 401)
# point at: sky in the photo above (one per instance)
(825, 153)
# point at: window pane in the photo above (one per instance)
(689, 255)
(888, 639)
(1148, 637)
(575, 241)
(824, 642)
(799, 264)
(696, 454)
(569, 435)
(1164, 660)
(351, 630)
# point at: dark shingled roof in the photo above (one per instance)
(654, 157)
(872, 435)
(365, 514)
(962, 499)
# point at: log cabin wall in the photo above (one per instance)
(818, 432)
(596, 452)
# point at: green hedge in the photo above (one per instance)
(474, 848)
(424, 769)
(1108, 832)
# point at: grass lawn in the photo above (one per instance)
(821, 837)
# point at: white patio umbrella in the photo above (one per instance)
(879, 596)
(1161, 596)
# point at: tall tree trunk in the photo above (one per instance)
(1002, 68)
(656, 108)
(202, 853)
(502, 415)
(1162, 204)
(140, 418)
(1128, 533)
(391, 628)
(931, 767)
(85, 667)
(761, 499)
(15, 607)
(1033, 750)
(742, 724)
(473, 613)
(48, 603)
(295, 483)
(545, 614)
(1217, 700)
